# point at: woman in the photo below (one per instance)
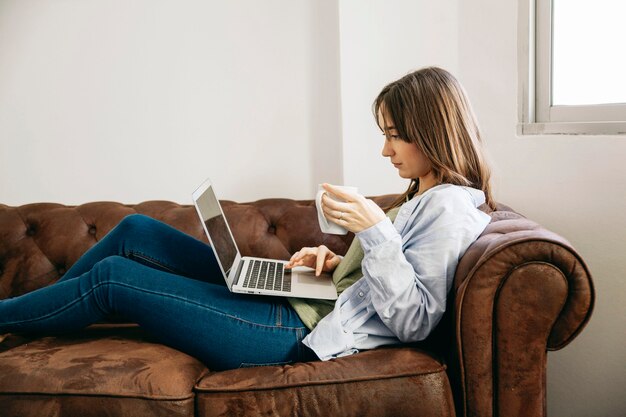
(393, 281)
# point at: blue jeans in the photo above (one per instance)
(170, 284)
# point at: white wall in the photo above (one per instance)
(380, 42)
(130, 101)
(98, 97)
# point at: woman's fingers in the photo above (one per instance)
(331, 204)
(305, 256)
(342, 193)
(321, 259)
(295, 258)
(313, 258)
(336, 211)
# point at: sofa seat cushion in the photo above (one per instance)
(102, 370)
(382, 382)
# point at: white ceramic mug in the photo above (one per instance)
(326, 225)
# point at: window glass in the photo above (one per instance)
(588, 52)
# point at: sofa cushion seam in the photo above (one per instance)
(316, 383)
(99, 395)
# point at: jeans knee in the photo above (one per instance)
(133, 222)
(102, 283)
(112, 270)
(108, 268)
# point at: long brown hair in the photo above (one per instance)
(430, 108)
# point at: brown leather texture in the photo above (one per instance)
(519, 291)
(372, 383)
(119, 367)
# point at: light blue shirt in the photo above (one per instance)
(408, 268)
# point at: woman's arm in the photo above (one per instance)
(410, 274)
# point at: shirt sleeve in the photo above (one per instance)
(410, 274)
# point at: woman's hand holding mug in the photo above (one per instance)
(348, 208)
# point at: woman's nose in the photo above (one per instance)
(387, 150)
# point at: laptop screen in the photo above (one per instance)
(221, 238)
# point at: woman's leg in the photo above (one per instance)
(222, 329)
(155, 244)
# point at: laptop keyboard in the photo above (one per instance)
(267, 275)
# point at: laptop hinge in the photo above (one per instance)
(238, 274)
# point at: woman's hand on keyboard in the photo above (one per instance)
(320, 258)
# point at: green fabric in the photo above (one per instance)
(347, 273)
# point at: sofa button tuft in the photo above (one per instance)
(92, 230)
(31, 230)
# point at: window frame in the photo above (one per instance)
(536, 114)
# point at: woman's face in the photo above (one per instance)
(406, 157)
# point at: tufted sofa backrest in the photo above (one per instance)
(39, 242)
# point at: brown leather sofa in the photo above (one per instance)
(520, 290)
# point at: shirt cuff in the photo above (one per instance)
(381, 232)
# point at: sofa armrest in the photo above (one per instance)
(520, 290)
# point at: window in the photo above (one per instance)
(572, 67)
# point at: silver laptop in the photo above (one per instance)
(254, 275)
